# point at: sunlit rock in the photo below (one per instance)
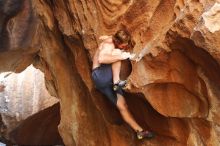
(23, 95)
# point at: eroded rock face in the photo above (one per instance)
(22, 95)
(174, 88)
(46, 131)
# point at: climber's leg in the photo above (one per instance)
(127, 116)
(123, 108)
(118, 84)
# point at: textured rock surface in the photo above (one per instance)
(46, 131)
(24, 94)
(174, 88)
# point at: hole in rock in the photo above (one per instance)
(146, 115)
(27, 114)
(142, 111)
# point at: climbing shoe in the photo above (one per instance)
(119, 85)
(145, 134)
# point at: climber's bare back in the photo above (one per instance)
(105, 47)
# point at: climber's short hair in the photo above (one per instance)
(123, 40)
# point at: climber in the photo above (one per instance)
(106, 74)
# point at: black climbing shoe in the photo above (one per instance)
(119, 85)
(145, 134)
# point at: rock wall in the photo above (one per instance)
(45, 133)
(23, 94)
(173, 89)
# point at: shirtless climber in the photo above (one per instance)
(106, 74)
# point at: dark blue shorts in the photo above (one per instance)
(102, 77)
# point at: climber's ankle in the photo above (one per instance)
(119, 85)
